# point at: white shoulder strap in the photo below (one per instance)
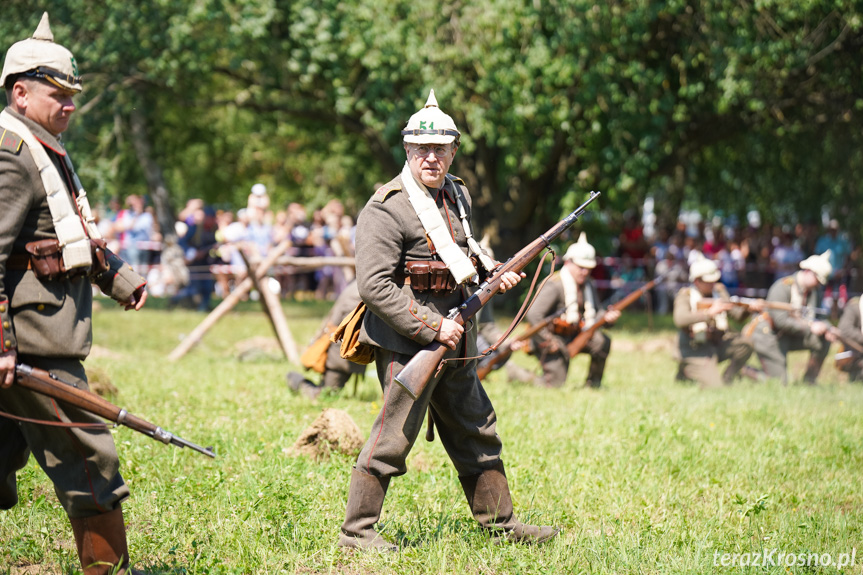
(486, 262)
(67, 223)
(427, 211)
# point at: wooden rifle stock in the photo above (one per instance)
(50, 385)
(850, 352)
(506, 351)
(422, 366)
(575, 346)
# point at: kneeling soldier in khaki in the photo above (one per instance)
(777, 332)
(704, 338)
(572, 290)
(851, 328)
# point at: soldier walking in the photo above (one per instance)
(47, 263)
(413, 242)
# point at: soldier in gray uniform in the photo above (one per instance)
(704, 337)
(46, 300)
(409, 291)
(337, 370)
(851, 329)
(776, 332)
(571, 289)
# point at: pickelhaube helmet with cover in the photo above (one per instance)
(581, 253)
(431, 126)
(704, 269)
(40, 57)
(819, 265)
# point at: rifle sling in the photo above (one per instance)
(525, 306)
(54, 423)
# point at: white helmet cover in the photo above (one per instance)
(40, 57)
(430, 125)
(581, 253)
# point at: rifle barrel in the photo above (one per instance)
(48, 384)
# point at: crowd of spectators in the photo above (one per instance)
(751, 257)
(213, 243)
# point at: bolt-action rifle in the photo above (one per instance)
(50, 385)
(777, 305)
(849, 352)
(576, 345)
(422, 366)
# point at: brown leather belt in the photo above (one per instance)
(18, 262)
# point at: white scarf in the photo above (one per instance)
(67, 223)
(427, 211)
(570, 300)
(720, 320)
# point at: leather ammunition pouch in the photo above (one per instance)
(561, 327)
(430, 276)
(46, 259)
(348, 333)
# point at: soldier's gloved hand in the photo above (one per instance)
(450, 332)
(8, 360)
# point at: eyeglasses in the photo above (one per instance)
(439, 151)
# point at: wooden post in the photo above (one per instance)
(227, 304)
(273, 309)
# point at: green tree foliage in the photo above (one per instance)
(717, 103)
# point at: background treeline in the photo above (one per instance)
(720, 104)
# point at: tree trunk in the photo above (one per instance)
(172, 258)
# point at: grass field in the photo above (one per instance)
(644, 475)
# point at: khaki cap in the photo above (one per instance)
(819, 265)
(40, 57)
(581, 253)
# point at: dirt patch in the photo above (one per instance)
(258, 348)
(333, 430)
(100, 383)
(652, 345)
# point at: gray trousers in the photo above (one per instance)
(463, 414)
(702, 364)
(555, 366)
(82, 463)
(773, 349)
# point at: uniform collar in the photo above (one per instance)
(445, 190)
(49, 141)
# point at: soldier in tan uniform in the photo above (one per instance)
(777, 332)
(704, 337)
(571, 289)
(413, 237)
(337, 370)
(46, 269)
(851, 328)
